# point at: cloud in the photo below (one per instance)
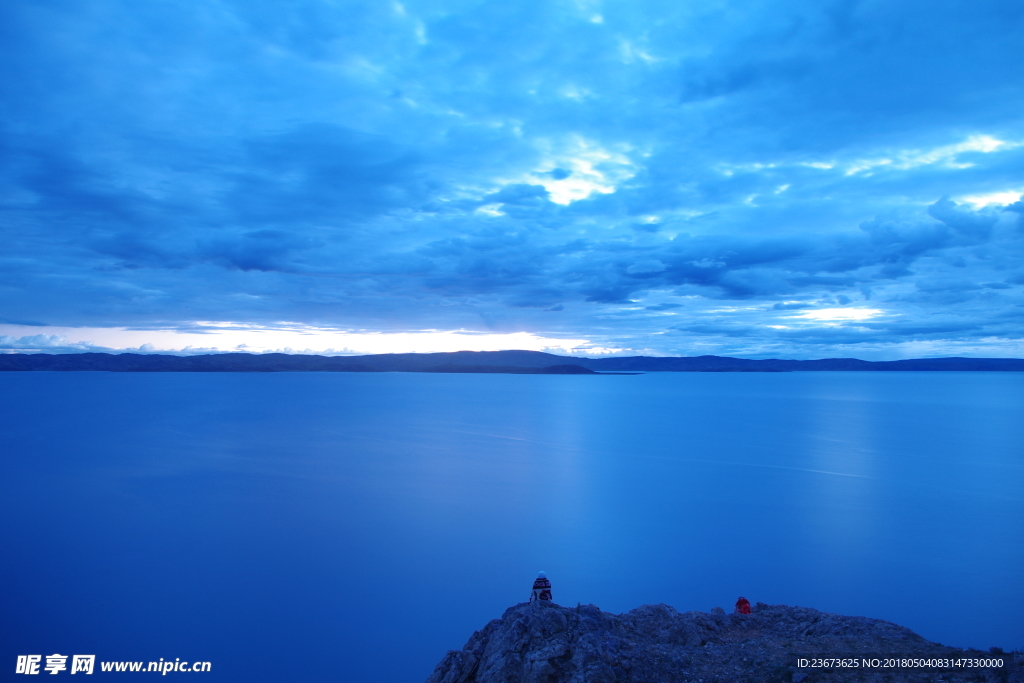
(257, 250)
(480, 167)
(835, 314)
(646, 266)
(40, 341)
(321, 172)
(973, 225)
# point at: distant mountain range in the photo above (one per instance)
(515, 362)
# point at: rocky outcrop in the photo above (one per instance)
(542, 642)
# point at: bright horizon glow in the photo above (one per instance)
(229, 337)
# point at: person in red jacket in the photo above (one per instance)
(742, 606)
(541, 588)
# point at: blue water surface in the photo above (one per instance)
(354, 527)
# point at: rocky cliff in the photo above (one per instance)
(546, 643)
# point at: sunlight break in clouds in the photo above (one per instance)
(998, 198)
(840, 314)
(946, 154)
(590, 168)
(905, 159)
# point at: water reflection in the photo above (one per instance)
(359, 509)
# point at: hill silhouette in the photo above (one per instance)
(516, 362)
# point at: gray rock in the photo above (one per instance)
(542, 642)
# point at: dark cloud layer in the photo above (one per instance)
(666, 177)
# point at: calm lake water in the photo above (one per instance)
(354, 527)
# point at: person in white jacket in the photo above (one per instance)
(541, 588)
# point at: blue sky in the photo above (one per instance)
(762, 179)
